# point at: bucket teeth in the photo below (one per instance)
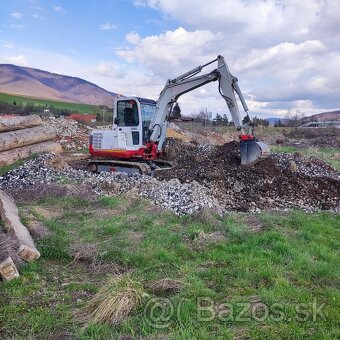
(253, 152)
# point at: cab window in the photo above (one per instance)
(127, 113)
(148, 112)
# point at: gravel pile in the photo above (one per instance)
(305, 165)
(181, 198)
(70, 133)
(48, 169)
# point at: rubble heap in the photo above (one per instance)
(278, 182)
(201, 176)
(70, 133)
(180, 198)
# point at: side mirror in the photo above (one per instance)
(116, 121)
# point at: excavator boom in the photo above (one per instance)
(251, 150)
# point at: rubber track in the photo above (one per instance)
(143, 168)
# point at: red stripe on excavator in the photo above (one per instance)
(125, 154)
(246, 137)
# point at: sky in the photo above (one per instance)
(285, 53)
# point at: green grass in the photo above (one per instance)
(328, 155)
(44, 103)
(288, 266)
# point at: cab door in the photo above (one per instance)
(128, 124)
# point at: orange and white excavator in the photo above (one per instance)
(136, 140)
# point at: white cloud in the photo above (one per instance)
(133, 38)
(139, 3)
(170, 52)
(8, 46)
(37, 8)
(108, 26)
(37, 16)
(16, 15)
(19, 26)
(108, 69)
(267, 19)
(58, 9)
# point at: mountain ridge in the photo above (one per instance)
(32, 82)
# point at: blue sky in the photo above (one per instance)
(285, 53)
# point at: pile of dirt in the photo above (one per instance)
(278, 182)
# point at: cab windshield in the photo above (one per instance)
(127, 113)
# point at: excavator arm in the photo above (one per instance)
(251, 150)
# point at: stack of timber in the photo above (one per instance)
(16, 243)
(22, 136)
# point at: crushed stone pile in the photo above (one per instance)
(181, 198)
(279, 182)
(70, 134)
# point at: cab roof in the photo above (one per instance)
(146, 101)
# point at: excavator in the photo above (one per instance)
(136, 141)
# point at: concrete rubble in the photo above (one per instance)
(181, 198)
(70, 134)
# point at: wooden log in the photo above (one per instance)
(19, 122)
(10, 216)
(8, 270)
(15, 139)
(11, 156)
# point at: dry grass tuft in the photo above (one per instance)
(85, 253)
(114, 301)
(166, 286)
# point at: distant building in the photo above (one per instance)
(183, 119)
(82, 118)
(322, 124)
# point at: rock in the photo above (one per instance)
(293, 167)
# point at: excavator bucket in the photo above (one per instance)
(253, 152)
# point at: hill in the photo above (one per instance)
(46, 85)
(333, 115)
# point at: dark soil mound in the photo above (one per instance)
(280, 181)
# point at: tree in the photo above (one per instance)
(176, 111)
(203, 117)
(259, 121)
(246, 120)
(225, 120)
(218, 119)
(294, 119)
(278, 123)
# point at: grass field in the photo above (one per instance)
(44, 103)
(263, 276)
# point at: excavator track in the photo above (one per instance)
(143, 168)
